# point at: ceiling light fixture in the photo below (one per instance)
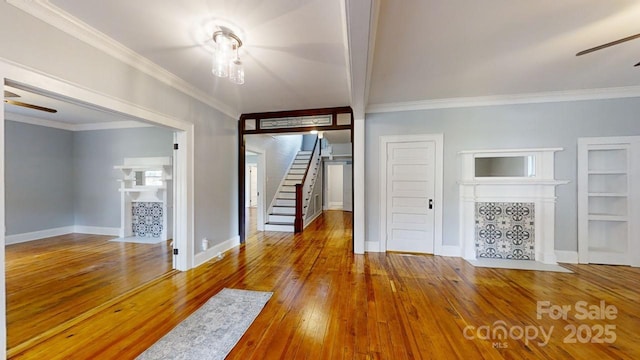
(226, 61)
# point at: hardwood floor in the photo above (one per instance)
(329, 303)
(53, 281)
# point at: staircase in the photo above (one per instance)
(283, 212)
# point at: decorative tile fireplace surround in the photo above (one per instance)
(505, 230)
(507, 207)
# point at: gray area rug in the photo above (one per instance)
(213, 330)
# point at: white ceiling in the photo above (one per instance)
(293, 52)
(297, 54)
(70, 115)
(440, 49)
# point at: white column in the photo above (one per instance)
(358, 187)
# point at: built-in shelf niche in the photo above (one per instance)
(608, 200)
(146, 180)
(533, 182)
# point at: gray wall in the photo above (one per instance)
(308, 141)
(56, 178)
(279, 152)
(38, 178)
(251, 159)
(495, 127)
(96, 195)
(44, 48)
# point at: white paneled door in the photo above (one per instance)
(410, 196)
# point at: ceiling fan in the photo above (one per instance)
(7, 99)
(603, 46)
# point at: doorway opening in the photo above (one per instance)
(294, 193)
(55, 94)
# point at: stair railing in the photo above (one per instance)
(304, 188)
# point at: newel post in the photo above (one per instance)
(298, 223)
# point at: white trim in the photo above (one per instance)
(37, 235)
(260, 208)
(529, 98)
(184, 180)
(3, 230)
(450, 250)
(345, 41)
(56, 17)
(359, 205)
(508, 152)
(569, 257)
(127, 124)
(210, 253)
(438, 140)
(96, 230)
(39, 122)
(47, 233)
(372, 246)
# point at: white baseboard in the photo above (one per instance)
(334, 205)
(372, 246)
(36, 235)
(569, 257)
(450, 250)
(43, 234)
(212, 252)
(96, 230)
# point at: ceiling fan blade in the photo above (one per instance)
(638, 64)
(31, 106)
(8, 94)
(603, 46)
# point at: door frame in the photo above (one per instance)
(184, 137)
(260, 207)
(250, 124)
(250, 188)
(327, 187)
(438, 140)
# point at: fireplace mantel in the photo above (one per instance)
(536, 184)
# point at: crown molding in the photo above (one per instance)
(74, 127)
(56, 17)
(530, 98)
(126, 124)
(37, 121)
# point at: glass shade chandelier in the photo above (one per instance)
(226, 61)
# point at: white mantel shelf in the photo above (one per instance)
(502, 152)
(513, 181)
(539, 188)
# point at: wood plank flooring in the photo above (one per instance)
(329, 304)
(52, 281)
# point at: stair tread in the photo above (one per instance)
(279, 223)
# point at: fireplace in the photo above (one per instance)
(507, 204)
